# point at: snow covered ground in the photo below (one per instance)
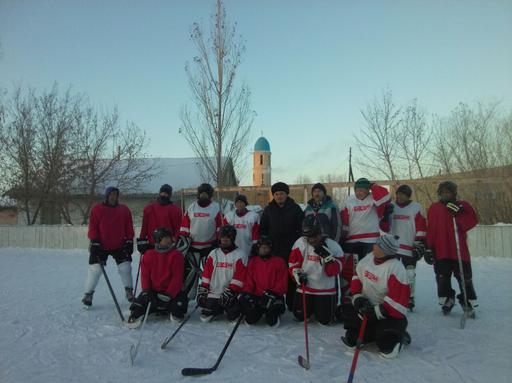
(46, 335)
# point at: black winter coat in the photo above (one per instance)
(283, 225)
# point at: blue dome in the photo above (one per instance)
(262, 145)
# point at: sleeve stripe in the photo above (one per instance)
(421, 233)
(205, 280)
(237, 282)
(397, 306)
(384, 199)
(290, 265)
(378, 313)
(355, 296)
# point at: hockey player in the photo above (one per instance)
(110, 233)
(408, 223)
(200, 228)
(161, 213)
(161, 280)
(380, 292)
(445, 246)
(265, 286)
(325, 211)
(222, 279)
(281, 221)
(314, 263)
(246, 223)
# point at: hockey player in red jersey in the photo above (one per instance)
(444, 247)
(222, 279)
(161, 213)
(314, 263)
(246, 223)
(381, 293)
(200, 229)
(409, 224)
(265, 285)
(110, 233)
(161, 280)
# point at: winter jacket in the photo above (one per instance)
(266, 275)
(223, 270)
(327, 215)
(202, 224)
(440, 230)
(162, 272)
(320, 276)
(247, 228)
(409, 224)
(111, 225)
(384, 283)
(283, 225)
(361, 218)
(156, 215)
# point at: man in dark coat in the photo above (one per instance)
(282, 223)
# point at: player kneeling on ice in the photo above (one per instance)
(222, 278)
(265, 285)
(314, 263)
(161, 280)
(380, 291)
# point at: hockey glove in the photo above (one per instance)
(128, 247)
(369, 311)
(324, 253)
(454, 208)
(360, 302)
(268, 298)
(388, 211)
(202, 296)
(227, 298)
(247, 301)
(143, 245)
(163, 302)
(95, 248)
(300, 277)
(418, 250)
(429, 256)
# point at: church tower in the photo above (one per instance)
(261, 174)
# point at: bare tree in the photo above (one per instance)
(219, 127)
(303, 179)
(378, 139)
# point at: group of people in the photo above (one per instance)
(346, 265)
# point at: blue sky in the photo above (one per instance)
(311, 65)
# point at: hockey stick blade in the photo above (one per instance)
(197, 371)
(133, 353)
(303, 362)
(168, 339)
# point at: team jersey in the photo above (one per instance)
(111, 225)
(247, 229)
(223, 270)
(409, 224)
(202, 224)
(156, 215)
(382, 283)
(266, 275)
(321, 277)
(162, 272)
(360, 218)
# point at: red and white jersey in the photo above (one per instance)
(223, 270)
(382, 283)
(409, 224)
(360, 218)
(202, 224)
(247, 229)
(321, 277)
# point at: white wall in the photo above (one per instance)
(484, 240)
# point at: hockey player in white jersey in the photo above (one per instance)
(246, 223)
(409, 224)
(380, 292)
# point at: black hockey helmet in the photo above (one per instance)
(447, 185)
(160, 233)
(310, 227)
(264, 240)
(206, 188)
(228, 231)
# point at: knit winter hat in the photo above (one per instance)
(166, 188)
(242, 198)
(111, 189)
(362, 183)
(447, 185)
(319, 186)
(206, 188)
(388, 244)
(280, 186)
(405, 189)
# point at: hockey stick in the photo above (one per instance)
(110, 288)
(304, 363)
(359, 344)
(204, 371)
(137, 278)
(135, 349)
(462, 279)
(168, 339)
